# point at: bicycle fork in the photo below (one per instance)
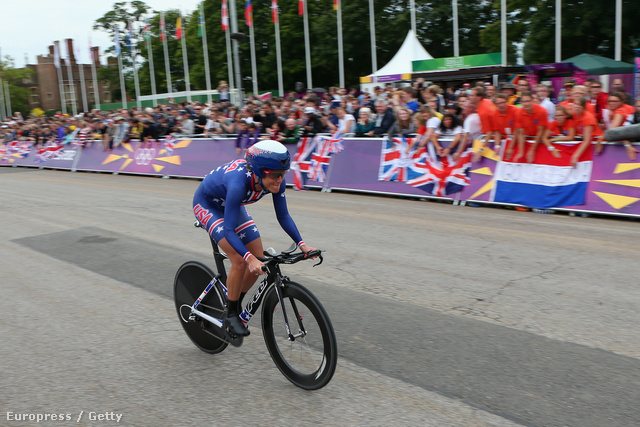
(302, 333)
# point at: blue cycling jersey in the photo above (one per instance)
(219, 200)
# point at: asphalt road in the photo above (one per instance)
(445, 315)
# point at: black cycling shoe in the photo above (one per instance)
(234, 326)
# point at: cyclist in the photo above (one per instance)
(219, 205)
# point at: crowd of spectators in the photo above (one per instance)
(448, 118)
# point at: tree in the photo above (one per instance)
(17, 79)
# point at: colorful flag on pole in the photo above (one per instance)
(129, 36)
(225, 16)
(300, 7)
(145, 32)
(116, 40)
(179, 28)
(274, 11)
(336, 4)
(200, 23)
(547, 182)
(248, 13)
(162, 28)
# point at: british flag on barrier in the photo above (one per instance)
(397, 163)
(302, 161)
(3, 151)
(169, 144)
(19, 149)
(48, 152)
(321, 158)
(442, 175)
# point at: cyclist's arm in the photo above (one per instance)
(285, 220)
(235, 192)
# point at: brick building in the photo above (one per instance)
(44, 86)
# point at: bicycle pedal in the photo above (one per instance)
(234, 340)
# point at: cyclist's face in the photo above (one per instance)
(272, 180)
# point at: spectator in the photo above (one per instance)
(405, 98)
(265, 116)
(618, 114)
(531, 122)
(385, 118)
(509, 89)
(313, 123)
(543, 93)
(435, 92)
(292, 132)
(450, 130)
(199, 120)
(185, 124)
(403, 125)
(586, 127)
(365, 124)
(275, 131)
(149, 133)
(214, 124)
(561, 129)
(618, 84)
(248, 134)
(490, 91)
(107, 141)
(597, 98)
(578, 91)
(505, 118)
(346, 122)
(485, 110)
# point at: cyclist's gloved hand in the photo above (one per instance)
(255, 265)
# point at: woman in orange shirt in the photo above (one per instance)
(586, 126)
(563, 128)
(617, 114)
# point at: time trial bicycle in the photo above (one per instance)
(297, 330)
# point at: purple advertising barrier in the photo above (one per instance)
(183, 158)
(61, 158)
(356, 168)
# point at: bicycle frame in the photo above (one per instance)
(273, 278)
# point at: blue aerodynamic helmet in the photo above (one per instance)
(267, 155)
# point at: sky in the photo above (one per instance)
(30, 27)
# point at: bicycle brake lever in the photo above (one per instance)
(320, 262)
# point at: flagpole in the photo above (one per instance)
(206, 54)
(254, 71)
(503, 26)
(340, 47)
(133, 55)
(558, 30)
(618, 43)
(372, 27)
(307, 46)
(185, 61)
(123, 92)
(456, 40)
(225, 27)
(152, 73)
(276, 24)
(96, 89)
(7, 97)
(82, 87)
(412, 5)
(58, 65)
(3, 113)
(163, 36)
(74, 107)
(235, 43)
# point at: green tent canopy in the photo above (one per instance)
(599, 65)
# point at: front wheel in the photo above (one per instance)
(192, 278)
(307, 354)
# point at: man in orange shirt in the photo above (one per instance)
(486, 110)
(531, 121)
(578, 91)
(504, 119)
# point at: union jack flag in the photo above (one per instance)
(48, 152)
(3, 151)
(320, 159)
(397, 163)
(19, 149)
(442, 175)
(302, 161)
(169, 144)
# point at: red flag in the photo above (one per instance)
(336, 4)
(274, 11)
(300, 7)
(225, 16)
(248, 13)
(162, 31)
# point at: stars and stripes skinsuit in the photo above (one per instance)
(219, 204)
